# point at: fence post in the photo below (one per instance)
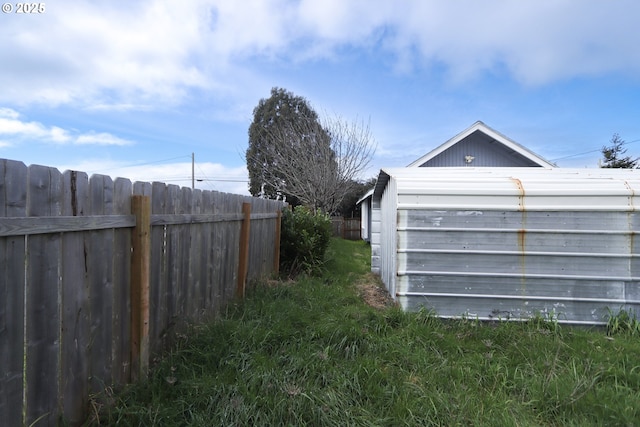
(276, 250)
(140, 270)
(243, 265)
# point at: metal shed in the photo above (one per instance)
(365, 215)
(510, 243)
(479, 146)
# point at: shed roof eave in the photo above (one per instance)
(367, 195)
(565, 188)
(381, 183)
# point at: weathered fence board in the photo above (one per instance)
(42, 299)
(194, 261)
(231, 240)
(93, 298)
(184, 254)
(207, 244)
(121, 289)
(13, 196)
(172, 251)
(75, 302)
(139, 287)
(158, 277)
(216, 293)
(263, 245)
(243, 265)
(99, 258)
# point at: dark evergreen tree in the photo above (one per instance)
(614, 155)
(273, 132)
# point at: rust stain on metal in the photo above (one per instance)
(631, 196)
(630, 215)
(521, 192)
(522, 240)
(522, 235)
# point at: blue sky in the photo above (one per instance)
(132, 88)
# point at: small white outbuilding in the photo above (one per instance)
(477, 146)
(509, 243)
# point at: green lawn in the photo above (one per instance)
(313, 353)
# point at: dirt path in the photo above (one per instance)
(373, 292)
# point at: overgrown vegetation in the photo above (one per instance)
(624, 322)
(304, 241)
(313, 353)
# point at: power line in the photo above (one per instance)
(177, 178)
(203, 174)
(142, 164)
(224, 180)
(575, 155)
(157, 161)
(592, 151)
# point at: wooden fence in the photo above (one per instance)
(96, 274)
(347, 228)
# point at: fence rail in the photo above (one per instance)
(96, 275)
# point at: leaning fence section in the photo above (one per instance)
(96, 274)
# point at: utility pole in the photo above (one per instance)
(193, 171)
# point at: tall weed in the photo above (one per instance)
(624, 322)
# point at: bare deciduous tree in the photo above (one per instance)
(353, 146)
(318, 163)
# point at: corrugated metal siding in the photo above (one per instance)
(365, 223)
(375, 235)
(511, 243)
(486, 151)
(388, 236)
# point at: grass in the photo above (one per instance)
(624, 322)
(312, 352)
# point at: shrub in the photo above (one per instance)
(304, 241)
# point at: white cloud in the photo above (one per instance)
(16, 129)
(8, 113)
(101, 138)
(59, 135)
(86, 52)
(132, 55)
(536, 42)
